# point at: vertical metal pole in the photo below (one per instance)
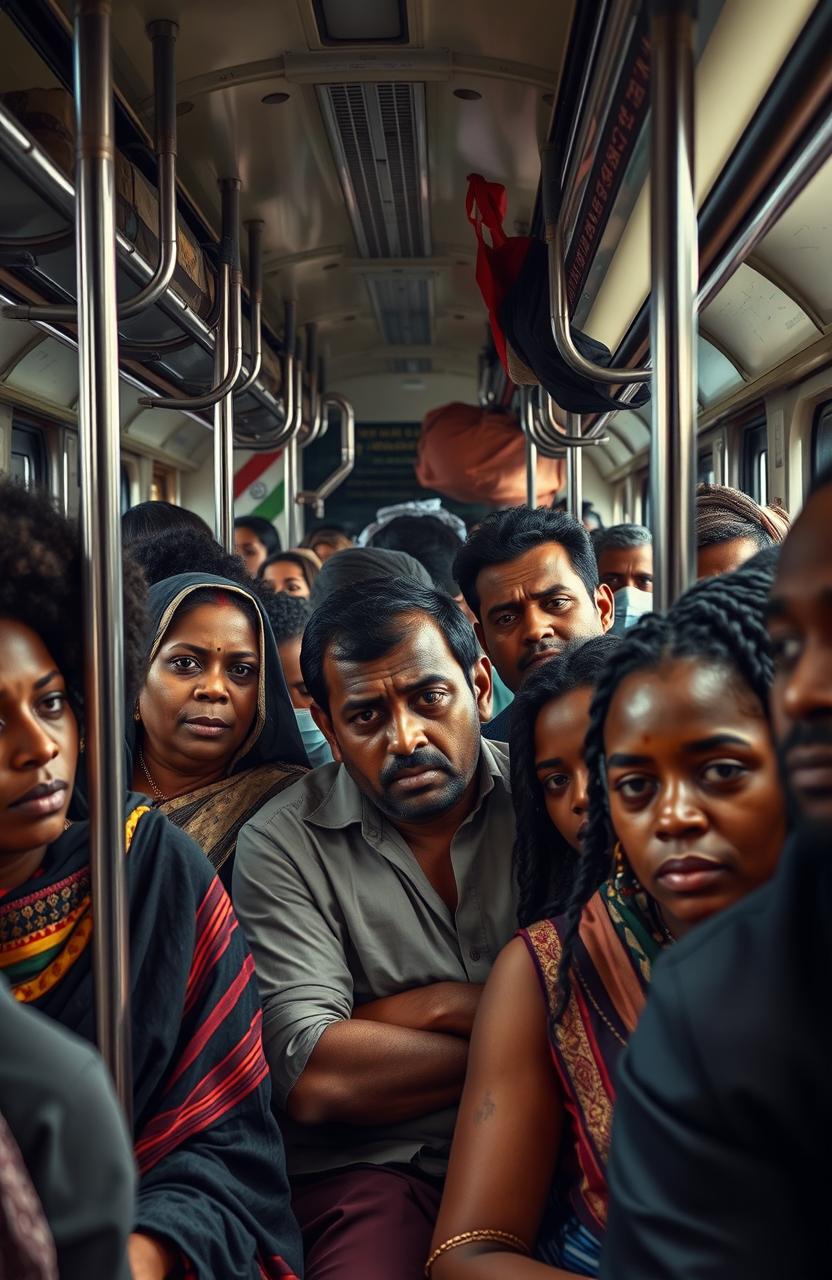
(527, 422)
(222, 518)
(293, 449)
(674, 264)
(98, 420)
(224, 410)
(574, 470)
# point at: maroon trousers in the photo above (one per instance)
(368, 1222)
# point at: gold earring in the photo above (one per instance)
(623, 879)
(137, 715)
(82, 746)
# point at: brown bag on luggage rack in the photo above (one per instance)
(476, 455)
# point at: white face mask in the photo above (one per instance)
(630, 605)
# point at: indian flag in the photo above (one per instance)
(258, 486)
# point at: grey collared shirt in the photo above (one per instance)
(337, 912)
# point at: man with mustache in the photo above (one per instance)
(376, 894)
(530, 577)
(718, 1159)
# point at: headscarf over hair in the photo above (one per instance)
(544, 862)
(724, 515)
(360, 564)
(275, 737)
(719, 620)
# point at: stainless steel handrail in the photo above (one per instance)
(674, 256)
(550, 424)
(315, 423)
(255, 293)
(98, 421)
(561, 325)
(291, 421)
(163, 36)
(230, 280)
(223, 432)
(294, 463)
(574, 471)
(316, 498)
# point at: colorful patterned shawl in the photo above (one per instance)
(213, 1178)
(611, 969)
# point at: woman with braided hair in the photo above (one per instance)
(684, 816)
(731, 528)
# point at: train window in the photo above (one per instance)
(29, 463)
(125, 490)
(822, 439)
(705, 473)
(755, 462)
(163, 484)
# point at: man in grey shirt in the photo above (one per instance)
(375, 894)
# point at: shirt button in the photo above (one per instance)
(474, 955)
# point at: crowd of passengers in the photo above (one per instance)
(537, 815)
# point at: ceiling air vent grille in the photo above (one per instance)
(377, 133)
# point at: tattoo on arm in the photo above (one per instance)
(486, 1109)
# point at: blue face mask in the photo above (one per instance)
(630, 605)
(314, 742)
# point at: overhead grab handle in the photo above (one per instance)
(290, 424)
(255, 293)
(316, 498)
(231, 323)
(558, 297)
(163, 35)
(312, 386)
(549, 429)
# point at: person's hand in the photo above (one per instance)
(149, 1259)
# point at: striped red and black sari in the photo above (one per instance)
(213, 1179)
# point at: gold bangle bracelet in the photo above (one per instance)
(482, 1234)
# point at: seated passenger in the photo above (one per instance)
(376, 894)
(731, 528)
(293, 572)
(530, 578)
(326, 540)
(681, 816)
(54, 1093)
(212, 1197)
(213, 734)
(718, 1162)
(362, 564)
(149, 519)
(288, 616)
(255, 539)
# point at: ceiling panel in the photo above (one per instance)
(50, 365)
(798, 247)
(758, 321)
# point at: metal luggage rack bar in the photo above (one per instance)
(42, 175)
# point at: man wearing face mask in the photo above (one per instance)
(625, 563)
(723, 1098)
(530, 579)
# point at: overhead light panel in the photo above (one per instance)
(367, 22)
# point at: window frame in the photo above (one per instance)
(821, 422)
(755, 461)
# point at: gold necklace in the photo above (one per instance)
(157, 795)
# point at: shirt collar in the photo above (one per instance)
(345, 804)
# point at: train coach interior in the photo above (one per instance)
(349, 131)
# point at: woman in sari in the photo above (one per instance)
(213, 1198)
(213, 734)
(670, 811)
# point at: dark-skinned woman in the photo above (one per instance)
(213, 1198)
(668, 813)
(213, 733)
